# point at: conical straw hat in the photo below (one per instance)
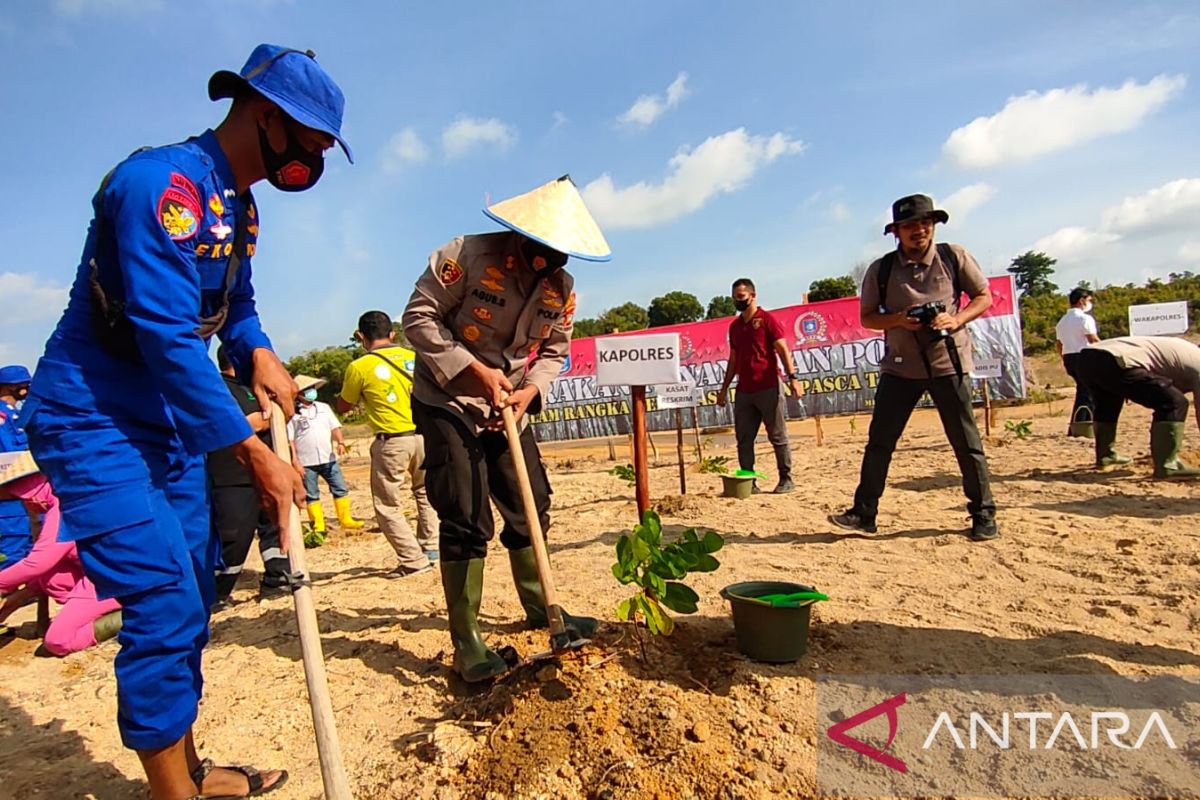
(554, 214)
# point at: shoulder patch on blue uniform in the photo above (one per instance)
(179, 208)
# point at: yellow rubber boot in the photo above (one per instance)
(316, 515)
(345, 518)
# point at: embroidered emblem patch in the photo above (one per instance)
(471, 333)
(568, 317)
(178, 218)
(216, 205)
(510, 263)
(495, 286)
(545, 331)
(252, 212)
(552, 302)
(220, 230)
(482, 314)
(494, 273)
(450, 273)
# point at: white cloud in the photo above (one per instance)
(649, 107)
(839, 212)
(402, 149)
(720, 164)
(1190, 252)
(467, 135)
(1170, 206)
(960, 204)
(1074, 244)
(1035, 124)
(27, 298)
(560, 121)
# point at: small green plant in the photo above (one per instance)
(853, 426)
(624, 472)
(717, 465)
(312, 538)
(1020, 429)
(657, 570)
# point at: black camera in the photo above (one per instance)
(926, 313)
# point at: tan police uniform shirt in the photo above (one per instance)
(479, 300)
(1177, 360)
(912, 283)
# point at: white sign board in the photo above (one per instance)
(677, 395)
(1156, 319)
(987, 369)
(16, 464)
(642, 360)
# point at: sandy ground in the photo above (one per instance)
(1093, 574)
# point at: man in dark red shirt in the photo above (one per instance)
(755, 340)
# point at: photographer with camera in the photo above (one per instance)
(914, 294)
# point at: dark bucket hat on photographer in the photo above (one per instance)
(915, 206)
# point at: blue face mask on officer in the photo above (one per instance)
(310, 395)
(295, 169)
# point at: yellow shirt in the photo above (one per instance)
(385, 393)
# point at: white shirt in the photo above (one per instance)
(1073, 329)
(312, 431)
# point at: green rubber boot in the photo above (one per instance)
(1106, 454)
(107, 626)
(1165, 440)
(529, 590)
(463, 583)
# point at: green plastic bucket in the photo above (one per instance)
(736, 486)
(1081, 425)
(777, 635)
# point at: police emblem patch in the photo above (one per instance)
(450, 273)
(482, 314)
(178, 215)
(471, 333)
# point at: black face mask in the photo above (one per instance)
(741, 305)
(293, 170)
(544, 261)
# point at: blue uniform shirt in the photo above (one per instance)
(169, 218)
(14, 522)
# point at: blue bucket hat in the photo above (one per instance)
(292, 80)
(15, 373)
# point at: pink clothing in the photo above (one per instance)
(52, 568)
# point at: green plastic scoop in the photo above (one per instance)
(748, 473)
(792, 600)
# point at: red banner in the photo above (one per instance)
(838, 358)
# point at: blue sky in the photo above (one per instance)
(712, 140)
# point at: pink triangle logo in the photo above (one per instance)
(838, 732)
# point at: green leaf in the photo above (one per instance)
(625, 609)
(656, 584)
(651, 528)
(712, 542)
(657, 620)
(622, 574)
(679, 597)
(706, 563)
(640, 550)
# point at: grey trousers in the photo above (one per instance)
(392, 461)
(751, 409)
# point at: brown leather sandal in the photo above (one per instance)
(252, 775)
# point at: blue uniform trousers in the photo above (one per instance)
(136, 504)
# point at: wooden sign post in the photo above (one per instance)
(679, 396)
(638, 361)
(986, 369)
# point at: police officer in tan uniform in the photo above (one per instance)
(490, 321)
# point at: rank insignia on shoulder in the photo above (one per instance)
(449, 273)
(216, 205)
(482, 314)
(495, 286)
(471, 333)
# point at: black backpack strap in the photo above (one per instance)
(946, 254)
(883, 275)
(211, 324)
